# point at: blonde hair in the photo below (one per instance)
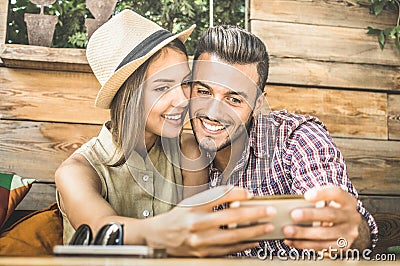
(128, 129)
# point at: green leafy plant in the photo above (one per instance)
(78, 40)
(174, 15)
(71, 19)
(376, 8)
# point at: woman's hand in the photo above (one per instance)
(194, 229)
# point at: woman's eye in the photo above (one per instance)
(203, 92)
(185, 84)
(162, 88)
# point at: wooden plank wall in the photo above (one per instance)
(323, 64)
(3, 21)
(3, 24)
(45, 116)
(46, 111)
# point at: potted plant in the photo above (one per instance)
(40, 27)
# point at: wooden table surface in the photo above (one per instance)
(100, 261)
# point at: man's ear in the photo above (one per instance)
(262, 105)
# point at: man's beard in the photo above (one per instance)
(208, 144)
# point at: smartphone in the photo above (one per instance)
(97, 250)
(283, 204)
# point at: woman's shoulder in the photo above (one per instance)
(76, 169)
(75, 163)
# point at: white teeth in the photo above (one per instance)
(172, 117)
(212, 127)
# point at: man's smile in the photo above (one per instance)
(211, 126)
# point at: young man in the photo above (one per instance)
(270, 153)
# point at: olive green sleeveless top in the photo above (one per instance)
(139, 188)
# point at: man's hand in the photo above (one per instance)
(339, 219)
(194, 229)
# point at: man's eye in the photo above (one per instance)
(162, 88)
(235, 100)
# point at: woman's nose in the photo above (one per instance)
(180, 98)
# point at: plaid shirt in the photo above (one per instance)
(289, 154)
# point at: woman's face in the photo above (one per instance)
(166, 94)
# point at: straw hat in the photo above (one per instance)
(120, 46)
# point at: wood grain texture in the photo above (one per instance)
(3, 21)
(320, 12)
(45, 58)
(308, 72)
(346, 113)
(386, 211)
(49, 96)
(36, 149)
(324, 43)
(3, 26)
(40, 95)
(46, 65)
(389, 231)
(373, 166)
(39, 197)
(394, 116)
(381, 204)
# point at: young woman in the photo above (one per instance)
(132, 170)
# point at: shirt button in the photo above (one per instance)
(146, 213)
(145, 178)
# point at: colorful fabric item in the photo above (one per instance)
(33, 235)
(13, 189)
(289, 154)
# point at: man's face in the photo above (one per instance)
(223, 97)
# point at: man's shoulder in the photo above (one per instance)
(285, 124)
(291, 121)
(284, 117)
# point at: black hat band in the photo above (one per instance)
(145, 46)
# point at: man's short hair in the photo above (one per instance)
(235, 45)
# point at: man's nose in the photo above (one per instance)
(215, 108)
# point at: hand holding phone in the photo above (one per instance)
(283, 204)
